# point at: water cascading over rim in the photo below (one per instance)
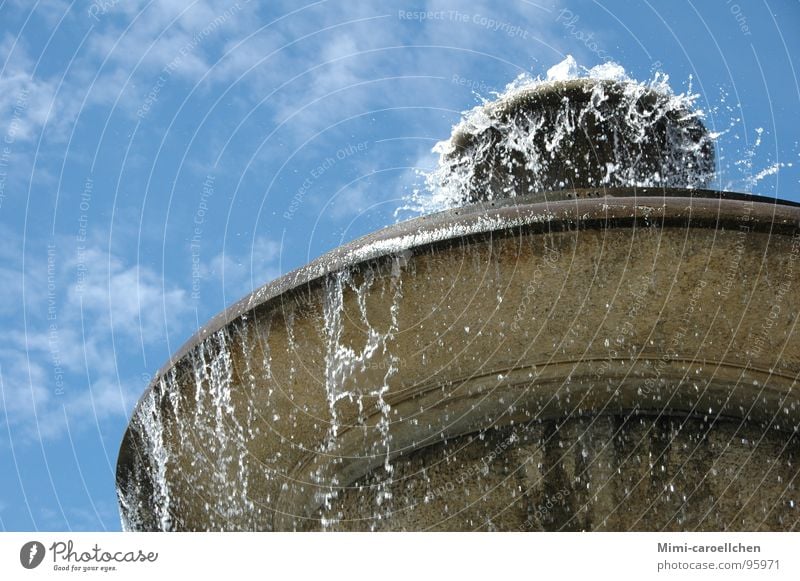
(576, 134)
(578, 343)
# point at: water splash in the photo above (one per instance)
(150, 425)
(746, 175)
(225, 434)
(527, 137)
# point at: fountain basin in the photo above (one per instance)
(322, 400)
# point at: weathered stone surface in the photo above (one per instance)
(521, 313)
(601, 473)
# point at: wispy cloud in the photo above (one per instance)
(149, 36)
(25, 101)
(86, 314)
(239, 273)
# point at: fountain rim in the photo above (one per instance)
(586, 199)
(589, 208)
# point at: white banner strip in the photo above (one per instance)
(390, 556)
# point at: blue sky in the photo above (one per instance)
(159, 160)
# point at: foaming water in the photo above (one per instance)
(533, 137)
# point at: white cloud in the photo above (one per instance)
(65, 365)
(25, 101)
(240, 274)
(136, 41)
(352, 200)
(154, 35)
(130, 300)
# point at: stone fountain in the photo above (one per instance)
(588, 340)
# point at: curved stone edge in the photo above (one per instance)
(589, 208)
